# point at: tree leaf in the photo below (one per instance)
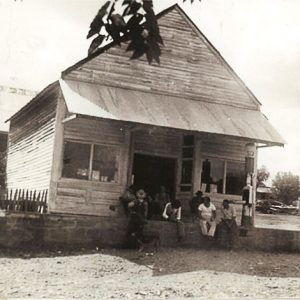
(134, 22)
(154, 48)
(114, 32)
(118, 21)
(96, 43)
(97, 22)
(132, 8)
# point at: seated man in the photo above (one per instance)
(227, 228)
(194, 204)
(207, 215)
(172, 213)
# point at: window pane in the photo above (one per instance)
(187, 171)
(212, 176)
(76, 160)
(188, 152)
(235, 178)
(105, 163)
(188, 140)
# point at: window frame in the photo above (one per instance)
(182, 185)
(90, 171)
(225, 163)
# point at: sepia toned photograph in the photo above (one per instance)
(149, 149)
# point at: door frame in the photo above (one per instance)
(146, 153)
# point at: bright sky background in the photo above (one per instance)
(259, 38)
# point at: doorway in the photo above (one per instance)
(150, 172)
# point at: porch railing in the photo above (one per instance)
(24, 200)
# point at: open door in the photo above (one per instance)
(150, 172)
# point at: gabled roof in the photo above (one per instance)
(34, 100)
(12, 100)
(172, 111)
(110, 45)
(196, 29)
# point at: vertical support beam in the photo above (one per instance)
(224, 177)
(129, 141)
(197, 166)
(254, 185)
(249, 190)
(91, 161)
(58, 148)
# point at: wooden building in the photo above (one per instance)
(111, 121)
(11, 100)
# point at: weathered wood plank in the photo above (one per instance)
(31, 142)
(189, 68)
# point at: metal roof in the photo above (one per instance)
(168, 111)
(11, 101)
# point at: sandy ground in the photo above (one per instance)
(168, 273)
(277, 221)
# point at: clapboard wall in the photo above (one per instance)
(84, 196)
(158, 141)
(30, 143)
(190, 67)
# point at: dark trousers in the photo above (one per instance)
(227, 233)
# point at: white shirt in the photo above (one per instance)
(206, 212)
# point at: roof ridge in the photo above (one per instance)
(112, 44)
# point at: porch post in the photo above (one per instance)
(249, 191)
(127, 159)
(197, 165)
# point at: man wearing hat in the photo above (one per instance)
(138, 215)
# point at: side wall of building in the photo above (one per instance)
(30, 144)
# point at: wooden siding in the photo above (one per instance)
(99, 198)
(30, 141)
(89, 197)
(224, 148)
(95, 131)
(161, 142)
(228, 148)
(190, 68)
(3, 141)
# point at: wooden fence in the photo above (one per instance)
(24, 200)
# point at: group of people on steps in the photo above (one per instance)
(139, 206)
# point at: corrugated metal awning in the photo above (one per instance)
(173, 112)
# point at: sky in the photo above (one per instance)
(259, 38)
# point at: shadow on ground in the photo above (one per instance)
(180, 260)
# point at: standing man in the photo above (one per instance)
(138, 215)
(207, 215)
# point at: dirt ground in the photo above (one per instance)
(169, 273)
(277, 221)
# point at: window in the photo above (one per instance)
(212, 175)
(76, 160)
(187, 163)
(221, 176)
(235, 178)
(105, 167)
(90, 162)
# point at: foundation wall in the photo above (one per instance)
(49, 230)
